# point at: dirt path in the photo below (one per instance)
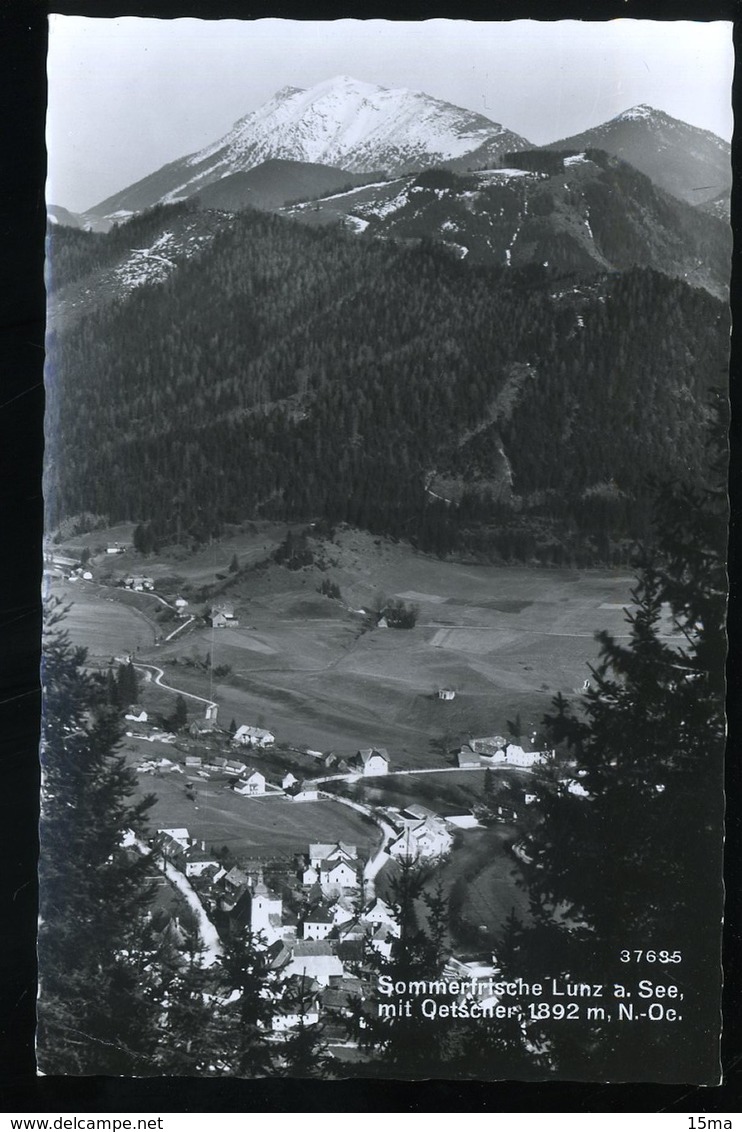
(150, 668)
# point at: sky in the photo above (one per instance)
(127, 95)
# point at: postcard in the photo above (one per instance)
(385, 549)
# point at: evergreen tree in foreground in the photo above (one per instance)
(97, 1013)
(632, 862)
(407, 1044)
(244, 1008)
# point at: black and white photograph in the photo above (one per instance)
(385, 549)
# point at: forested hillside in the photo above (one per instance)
(293, 372)
(582, 212)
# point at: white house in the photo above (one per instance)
(318, 923)
(337, 875)
(446, 694)
(372, 761)
(379, 912)
(308, 793)
(342, 911)
(253, 737)
(496, 749)
(428, 839)
(253, 782)
(382, 940)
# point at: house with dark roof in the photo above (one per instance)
(335, 876)
(252, 782)
(372, 761)
(318, 923)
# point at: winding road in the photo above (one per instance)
(148, 669)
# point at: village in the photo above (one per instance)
(320, 919)
(323, 910)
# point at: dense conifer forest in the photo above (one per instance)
(295, 372)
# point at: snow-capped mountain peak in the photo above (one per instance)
(639, 113)
(343, 122)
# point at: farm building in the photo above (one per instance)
(139, 582)
(496, 749)
(372, 761)
(201, 727)
(446, 694)
(253, 736)
(222, 616)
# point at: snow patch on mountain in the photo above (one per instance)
(155, 263)
(636, 113)
(356, 125)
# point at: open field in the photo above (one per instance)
(319, 673)
(266, 827)
(100, 623)
(505, 639)
(310, 668)
(206, 566)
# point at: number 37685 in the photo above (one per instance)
(637, 955)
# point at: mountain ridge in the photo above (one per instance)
(339, 122)
(690, 163)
